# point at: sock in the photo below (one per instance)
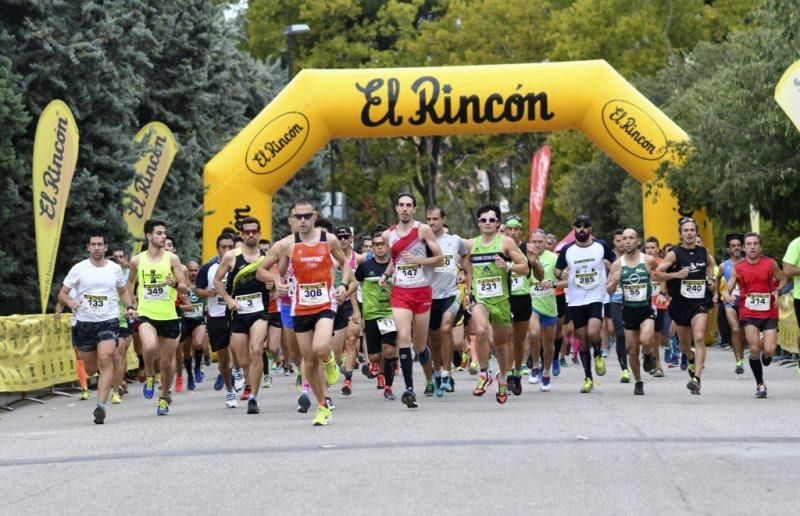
(306, 387)
(252, 396)
(758, 370)
(348, 375)
(586, 360)
(141, 361)
(622, 352)
(187, 363)
(557, 343)
(266, 362)
(81, 371)
(598, 348)
(388, 371)
(445, 373)
(424, 356)
(406, 364)
(101, 405)
(198, 357)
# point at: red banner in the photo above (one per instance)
(540, 165)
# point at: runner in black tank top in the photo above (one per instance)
(689, 272)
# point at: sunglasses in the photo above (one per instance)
(251, 231)
(582, 225)
(487, 220)
(303, 216)
(343, 237)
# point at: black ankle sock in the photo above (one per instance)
(598, 348)
(141, 361)
(557, 343)
(265, 357)
(348, 375)
(388, 370)
(586, 360)
(187, 363)
(406, 365)
(758, 370)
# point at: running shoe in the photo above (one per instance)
(464, 361)
(649, 362)
(288, 371)
(667, 355)
(366, 370)
(163, 407)
(684, 361)
(529, 361)
(207, 360)
(199, 375)
(739, 367)
(329, 402)
(85, 394)
(179, 383)
(381, 382)
(116, 399)
(638, 388)
(502, 391)
(625, 376)
(524, 370)
(544, 385)
(100, 413)
(533, 378)
(219, 383)
(604, 354)
(429, 388)
(600, 365)
(556, 367)
(142, 376)
(388, 395)
(347, 388)
(246, 393)
(446, 385)
(190, 383)
(230, 399)
(451, 386)
(238, 379)
(149, 387)
(409, 399)
(563, 362)
(323, 416)
(484, 381)
(267, 381)
(298, 383)
(331, 370)
(658, 373)
(691, 369)
(761, 392)
(439, 390)
(473, 368)
(252, 406)
(575, 359)
(303, 403)
(516, 388)
(588, 386)
(694, 385)
(765, 359)
(123, 388)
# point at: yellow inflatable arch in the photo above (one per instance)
(320, 105)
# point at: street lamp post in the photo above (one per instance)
(289, 31)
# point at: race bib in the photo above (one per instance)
(155, 291)
(539, 291)
(693, 289)
(448, 265)
(408, 275)
(587, 280)
(635, 292)
(197, 311)
(757, 302)
(95, 304)
(517, 282)
(489, 287)
(386, 326)
(313, 294)
(250, 303)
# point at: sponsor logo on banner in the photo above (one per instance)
(441, 104)
(634, 130)
(55, 153)
(151, 170)
(277, 143)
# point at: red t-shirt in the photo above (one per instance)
(756, 286)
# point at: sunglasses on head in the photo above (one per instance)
(303, 216)
(487, 220)
(250, 231)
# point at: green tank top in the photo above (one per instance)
(543, 300)
(156, 299)
(489, 282)
(636, 287)
(520, 285)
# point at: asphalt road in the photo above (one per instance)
(560, 452)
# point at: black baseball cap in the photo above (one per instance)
(344, 230)
(582, 219)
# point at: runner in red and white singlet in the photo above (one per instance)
(759, 280)
(415, 252)
(312, 251)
